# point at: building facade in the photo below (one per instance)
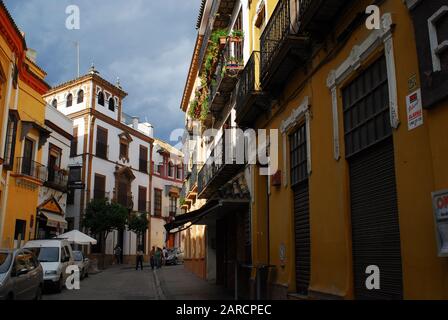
(110, 155)
(23, 134)
(358, 113)
(52, 202)
(167, 180)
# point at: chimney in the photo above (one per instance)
(151, 131)
(135, 121)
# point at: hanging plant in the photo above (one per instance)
(195, 111)
(205, 109)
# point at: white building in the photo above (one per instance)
(168, 177)
(52, 206)
(109, 155)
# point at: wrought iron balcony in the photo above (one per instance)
(31, 169)
(230, 64)
(220, 167)
(189, 187)
(250, 99)
(282, 49)
(57, 179)
(317, 17)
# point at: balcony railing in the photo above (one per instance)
(275, 33)
(57, 179)
(249, 81)
(222, 165)
(230, 64)
(32, 169)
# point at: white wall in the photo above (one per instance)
(61, 142)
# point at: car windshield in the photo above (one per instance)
(77, 255)
(46, 254)
(5, 262)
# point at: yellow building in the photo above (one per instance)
(23, 133)
(359, 157)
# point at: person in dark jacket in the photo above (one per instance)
(139, 258)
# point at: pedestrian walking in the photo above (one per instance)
(139, 258)
(158, 258)
(152, 257)
(165, 255)
(117, 254)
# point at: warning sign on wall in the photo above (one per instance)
(415, 110)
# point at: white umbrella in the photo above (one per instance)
(77, 237)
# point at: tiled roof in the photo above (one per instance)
(3, 7)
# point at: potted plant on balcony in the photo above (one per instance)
(219, 37)
(195, 109)
(237, 35)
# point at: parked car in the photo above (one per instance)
(82, 262)
(21, 275)
(175, 256)
(55, 256)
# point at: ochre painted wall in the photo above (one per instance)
(420, 162)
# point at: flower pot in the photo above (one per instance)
(222, 42)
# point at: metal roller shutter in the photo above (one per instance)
(302, 237)
(374, 209)
(375, 226)
(299, 181)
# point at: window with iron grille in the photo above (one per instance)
(366, 109)
(299, 158)
(157, 202)
(143, 159)
(142, 191)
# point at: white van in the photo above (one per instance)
(54, 256)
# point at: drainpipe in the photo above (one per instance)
(3, 208)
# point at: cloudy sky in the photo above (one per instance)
(148, 44)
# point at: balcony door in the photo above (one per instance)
(28, 151)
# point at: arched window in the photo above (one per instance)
(80, 96)
(54, 103)
(111, 104)
(69, 100)
(101, 99)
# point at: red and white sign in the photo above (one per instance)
(415, 110)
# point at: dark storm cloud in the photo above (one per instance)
(146, 43)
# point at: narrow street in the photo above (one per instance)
(125, 283)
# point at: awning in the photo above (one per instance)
(55, 220)
(207, 214)
(77, 237)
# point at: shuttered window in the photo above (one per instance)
(157, 202)
(143, 159)
(101, 143)
(99, 187)
(142, 191)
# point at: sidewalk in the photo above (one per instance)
(177, 283)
